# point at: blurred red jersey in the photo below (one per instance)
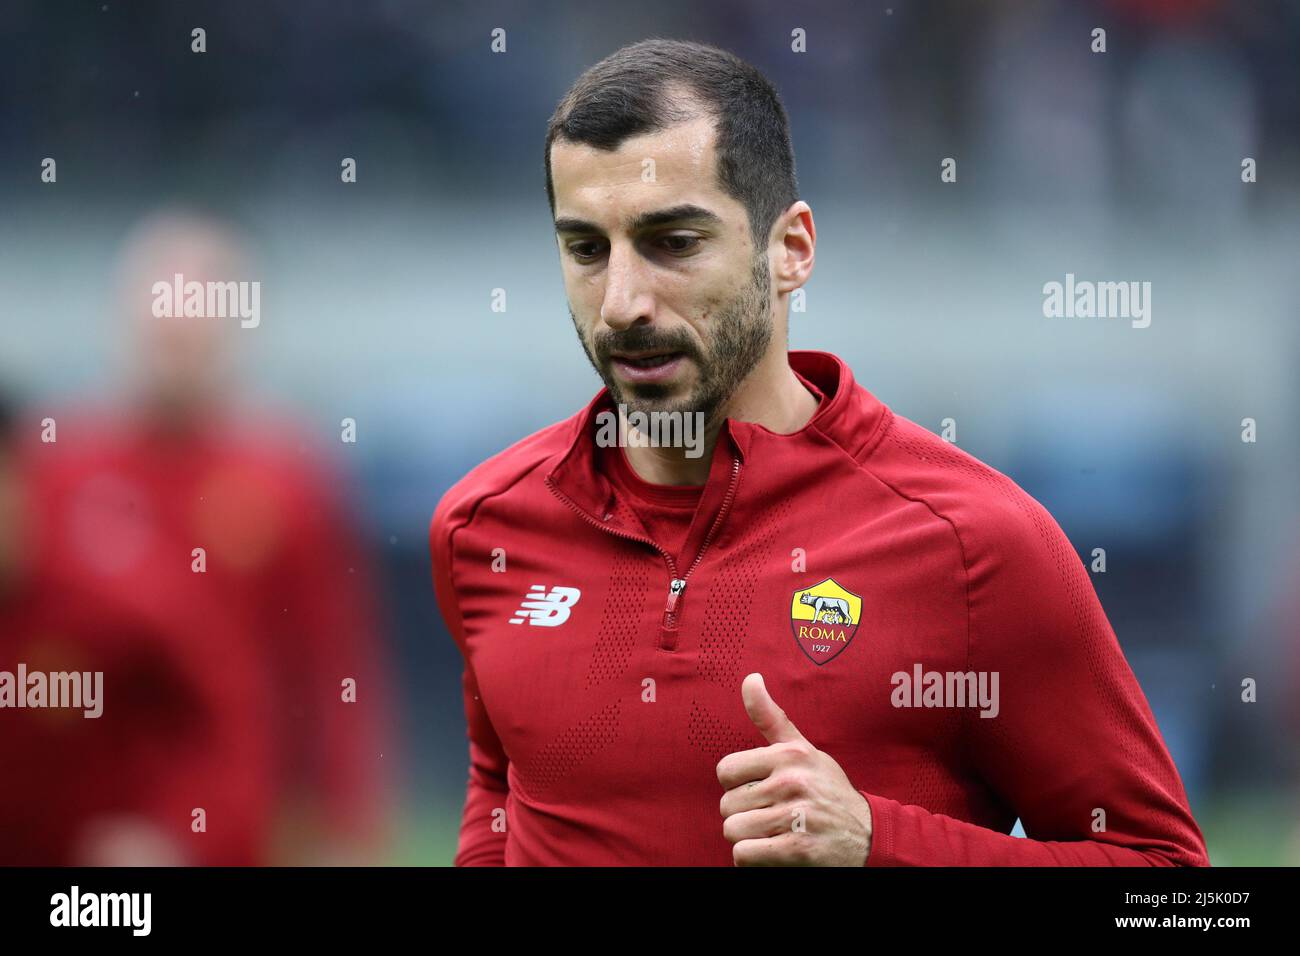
(166, 740)
(238, 524)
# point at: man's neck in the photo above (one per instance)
(771, 396)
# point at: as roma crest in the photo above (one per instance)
(824, 618)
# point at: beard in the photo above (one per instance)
(735, 340)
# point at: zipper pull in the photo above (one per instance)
(675, 589)
(668, 629)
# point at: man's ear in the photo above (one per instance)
(795, 237)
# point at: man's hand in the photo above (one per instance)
(789, 804)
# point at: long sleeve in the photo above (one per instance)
(482, 840)
(360, 753)
(1074, 749)
(333, 618)
(482, 830)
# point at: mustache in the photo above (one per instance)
(643, 339)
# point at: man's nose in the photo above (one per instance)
(628, 295)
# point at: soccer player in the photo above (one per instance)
(820, 635)
(115, 784)
(128, 493)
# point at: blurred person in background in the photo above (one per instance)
(116, 781)
(194, 507)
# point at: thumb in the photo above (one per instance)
(770, 719)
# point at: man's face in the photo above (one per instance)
(669, 299)
(180, 364)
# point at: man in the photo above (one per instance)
(208, 512)
(610, 602)
(114, 779)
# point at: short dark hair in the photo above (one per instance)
(638, 89)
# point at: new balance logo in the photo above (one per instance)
(543, 608)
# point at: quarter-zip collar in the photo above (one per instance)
(848, 415)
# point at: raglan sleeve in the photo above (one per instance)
(332, 605)
(482, 840)
(1072, 746)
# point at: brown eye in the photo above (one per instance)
(680, 244)
(585, 251)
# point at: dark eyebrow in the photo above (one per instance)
(646, 220)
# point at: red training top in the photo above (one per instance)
(281, 614)
(856, 563)
(664, 511)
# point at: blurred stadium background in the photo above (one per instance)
(376, 296)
